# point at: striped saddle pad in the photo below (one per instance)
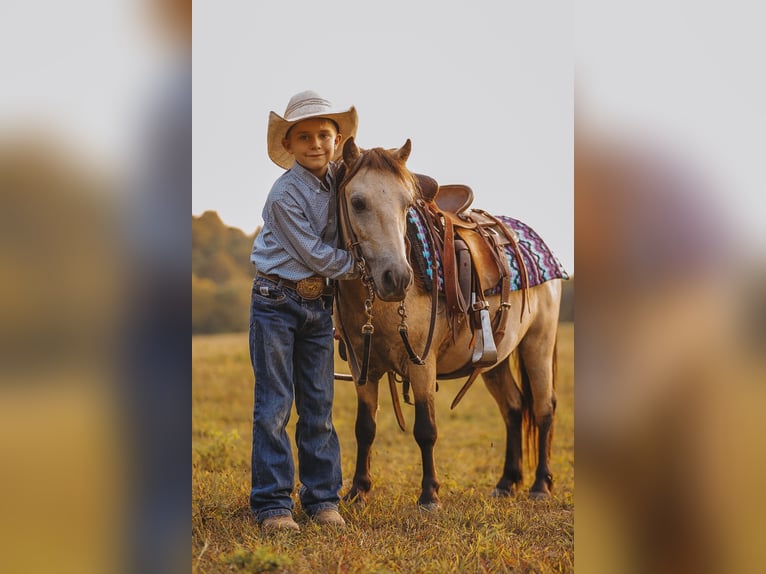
(539, 260)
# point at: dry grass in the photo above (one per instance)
(471, 533)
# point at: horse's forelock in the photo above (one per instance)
(379, 159)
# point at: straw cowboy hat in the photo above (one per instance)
(304, 106)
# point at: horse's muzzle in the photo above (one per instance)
(393, 283)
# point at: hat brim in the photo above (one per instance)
(347, 123)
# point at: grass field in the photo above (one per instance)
(471, 533)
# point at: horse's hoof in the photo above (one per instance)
(538, 495)
(355, 499)
(430, 506)
(502, 493)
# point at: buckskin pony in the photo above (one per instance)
(396, 320)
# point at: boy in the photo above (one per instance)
(291, 338)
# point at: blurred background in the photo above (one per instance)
(95, 191)
(671, 305)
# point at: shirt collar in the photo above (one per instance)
(313, 181)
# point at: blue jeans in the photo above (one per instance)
(292, 352)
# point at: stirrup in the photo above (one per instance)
(484, 350)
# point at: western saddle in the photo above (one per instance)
(472, 247)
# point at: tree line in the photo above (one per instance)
(222, 275)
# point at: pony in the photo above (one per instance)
(375, 193)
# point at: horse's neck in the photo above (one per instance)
(352, 290)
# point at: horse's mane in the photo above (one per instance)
(380, 159)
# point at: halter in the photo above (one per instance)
(353, 245)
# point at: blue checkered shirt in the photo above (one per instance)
(299, 236)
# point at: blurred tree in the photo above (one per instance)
(203, 304)
(221, 275)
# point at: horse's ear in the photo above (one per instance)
(350, 152)
(404, 152)
(340, 174)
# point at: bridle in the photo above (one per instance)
(353, 245)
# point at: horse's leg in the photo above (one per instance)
(423, 380)
(366, 417)
(507, 395)
(538, 364)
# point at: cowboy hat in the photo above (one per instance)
(304, 106)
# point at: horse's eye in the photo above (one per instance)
(358, 204)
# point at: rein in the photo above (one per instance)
(353, 245)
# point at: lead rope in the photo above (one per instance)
(405, 339)
(368, 328)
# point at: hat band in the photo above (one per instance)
(291, 110)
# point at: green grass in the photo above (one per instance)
(471, 533)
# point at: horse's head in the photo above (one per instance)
(375, 195)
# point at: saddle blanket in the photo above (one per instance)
(539, 260)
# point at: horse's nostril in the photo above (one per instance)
(388, 279)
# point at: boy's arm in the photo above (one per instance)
(294, 232)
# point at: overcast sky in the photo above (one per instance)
(483, 89)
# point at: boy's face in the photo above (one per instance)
(313, 143)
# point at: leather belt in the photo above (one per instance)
(310, 288)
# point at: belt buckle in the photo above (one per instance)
(311, 287)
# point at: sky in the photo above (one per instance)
(81, 72)
(484, 90)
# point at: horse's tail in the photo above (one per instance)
(528, 406)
